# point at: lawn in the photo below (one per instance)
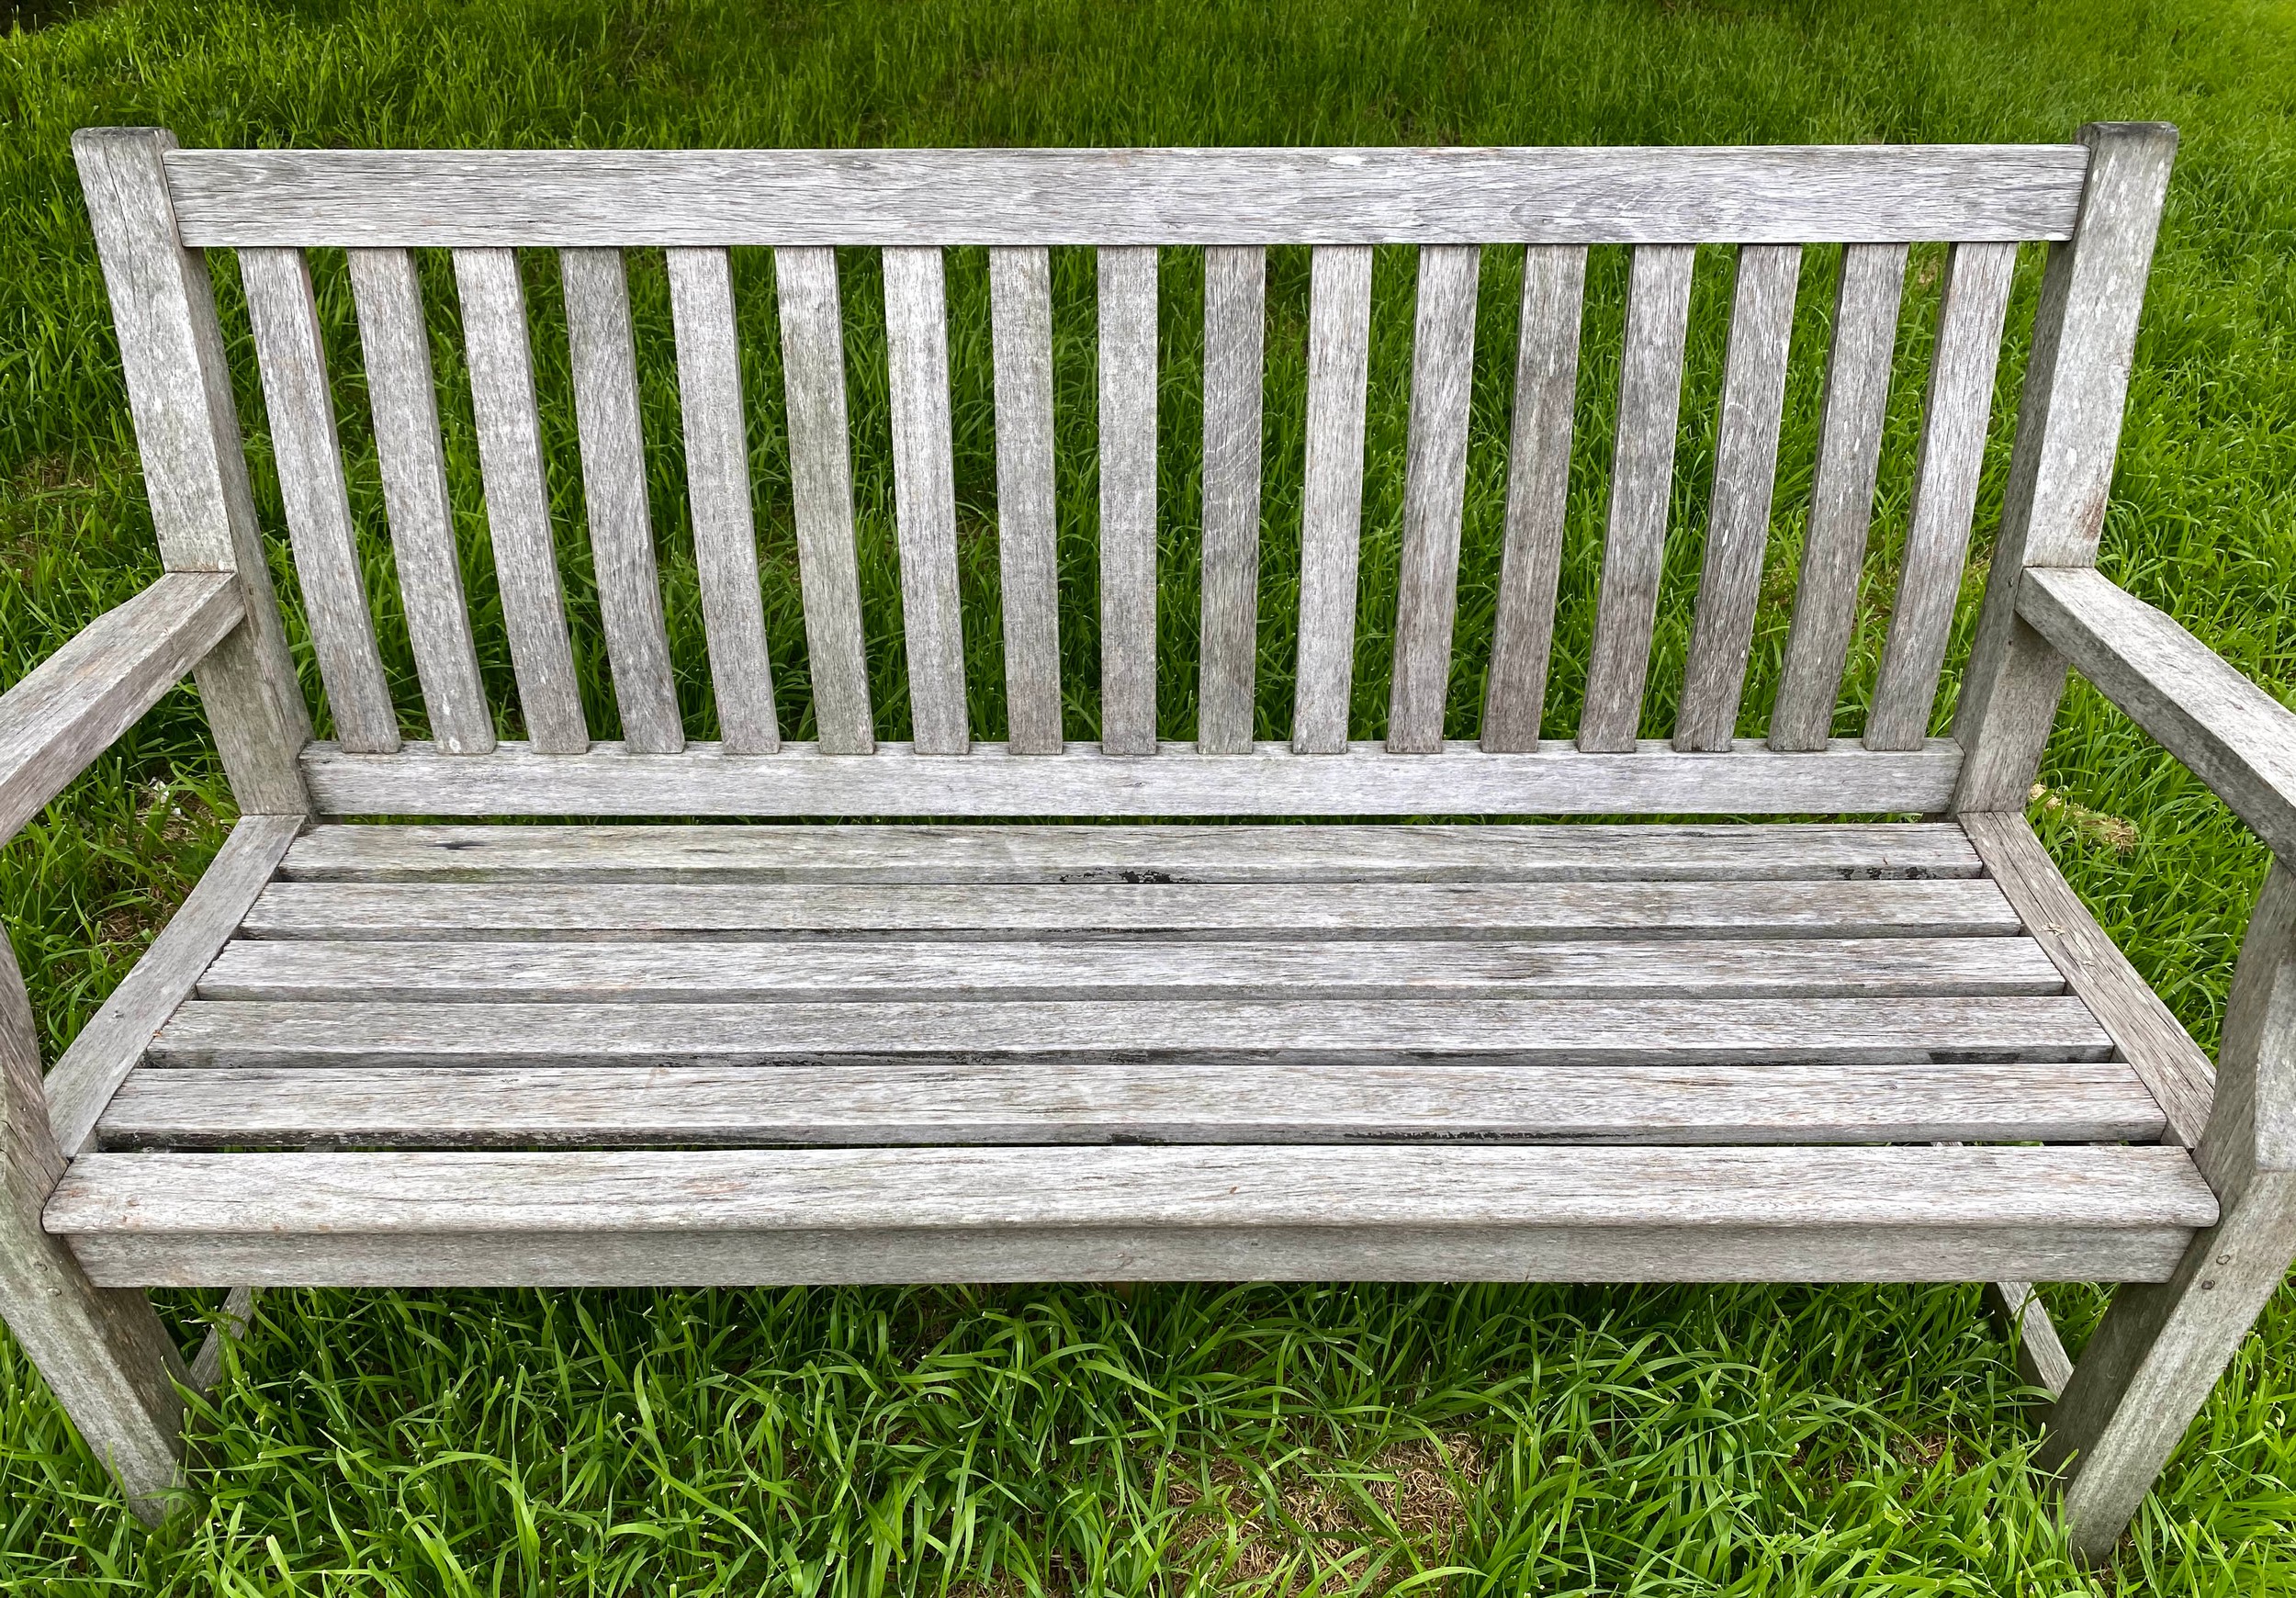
(1336, 1438)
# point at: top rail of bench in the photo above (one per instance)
(578, 198)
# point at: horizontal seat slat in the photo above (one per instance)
(1783, 195)
(421, 911)
(1550, 1031)
(304, 972)
(1164, 1102)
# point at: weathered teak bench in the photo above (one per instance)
(688, 1053)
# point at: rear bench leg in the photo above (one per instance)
(103, 1351)
(2162, 1346)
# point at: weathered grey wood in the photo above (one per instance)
(1330, 503)
(1163, 1103)
(1867, 300)
(924, 492)
(501, 362)
(195, 472)
(717, 484)
(231, 1323)
(1028, 532)
(114, 1039)
(2152, 1362)
(1737, 514)
(604, 357)
(849, 853)
(2068, 429)
(1538, 487)
(1434, 484)
(1558, 780)
(2147, 1035)
(1236, 325)
(1959, 907)
(1778, 194)
(67, 710)
(1127, 499)
(269, 969)
(1962, 363)
(102, 1351)
(1642, 476)
(821, 485)
(404, 403)
(1231, 1253)
(2041, 1360)
(299, 401)
(2235, 737)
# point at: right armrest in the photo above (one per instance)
(69, 708)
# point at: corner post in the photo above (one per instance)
(194, 469)
(2068, 429)
(2162, 1346)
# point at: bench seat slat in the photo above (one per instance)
(1171, 1102)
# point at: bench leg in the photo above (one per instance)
(103, 1351)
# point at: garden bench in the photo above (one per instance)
(1005, 1046)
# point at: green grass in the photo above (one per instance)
(1468, 1440)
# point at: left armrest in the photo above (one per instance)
(2232, 734)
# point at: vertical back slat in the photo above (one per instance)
(925, 495)
(399, 389)
(1236, 316)
(1128, 499)
(1642, 475)
(1020, 335)
(500, 358)
(821, 486)
(1841, 495)
(299, 402)
(1331, 513)
(1539, 489)
(604, 355)
(1745, 475)
(717, 486)
(1954, 415)
(1434, 488)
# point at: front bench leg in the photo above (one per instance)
(2162, 1346)
(103, 1351)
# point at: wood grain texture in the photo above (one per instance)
(604, 357)
(1127, 499)
(1737, 514)
(1651, 779)
(851, 852)
(2149, 1036)
(114, 1039)
(1867, 301)
(1162, 1103)
(195, 471)
(1028, 528)
(923, 495)
(500, 356)
(821, 486)
(68, 709)
(1434, 484)
(272, 969)
(1539, 489)
(2233, 735)
(1777, 195)
(2068, 430)
(1963, 364)
(299, 402)
(403, 398)
(1235, 332)
(1331, 513)
(1642, 476)
(717, 486)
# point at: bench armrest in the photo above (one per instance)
(2232, 734)
(71, 707)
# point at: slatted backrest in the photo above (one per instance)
(1080, 742)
